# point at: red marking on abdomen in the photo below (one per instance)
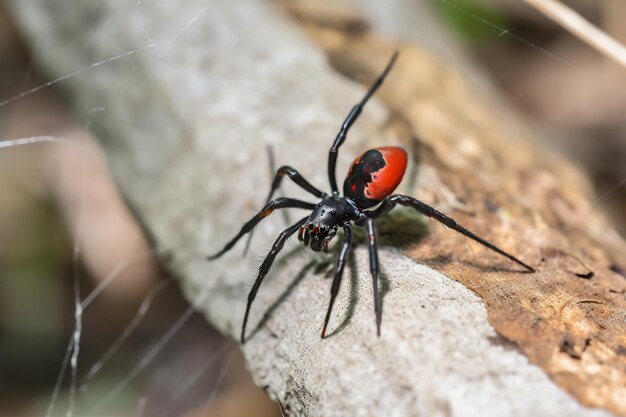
(386, 179)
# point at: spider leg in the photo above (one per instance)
(272, 166)
(278, 203)
(390, 202)
(265, 267)
(341, 262)
(374, 269)
(350, 119)
(295, 177)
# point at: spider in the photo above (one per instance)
(371, 179)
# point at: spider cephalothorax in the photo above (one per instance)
(371, 179)
(321, 226)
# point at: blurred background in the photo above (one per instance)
(142, 349)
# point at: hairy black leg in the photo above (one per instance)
(374, 269)
(341, 262)
(349, 121)
(295, 177)
(390, 202)
(265, 267)
(272, 166)
(278, 203)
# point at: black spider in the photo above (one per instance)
(372, 178)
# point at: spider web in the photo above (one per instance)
(78, 386)
(69, 367)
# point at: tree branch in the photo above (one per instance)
(185, 129)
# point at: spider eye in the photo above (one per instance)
(333, 212)
(319, 204)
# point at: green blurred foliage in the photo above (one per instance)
(31, 296)
(474, 21)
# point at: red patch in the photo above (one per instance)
(385, 180)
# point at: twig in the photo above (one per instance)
(580, 27)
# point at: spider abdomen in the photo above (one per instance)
(374, 175)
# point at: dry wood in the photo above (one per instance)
(581, 28)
